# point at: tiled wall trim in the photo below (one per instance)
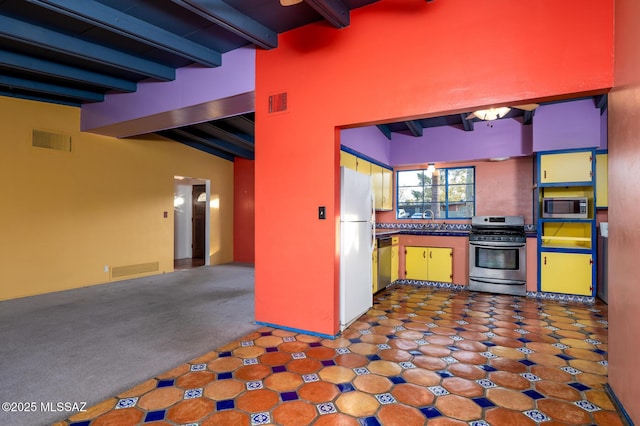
(532, 294)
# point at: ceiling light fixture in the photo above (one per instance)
(491, 113)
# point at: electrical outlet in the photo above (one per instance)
(106, 268)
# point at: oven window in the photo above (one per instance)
(505, 259)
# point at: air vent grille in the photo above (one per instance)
(141, 268)
(278, 102)
(51, 140)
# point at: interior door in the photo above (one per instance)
(199, 200)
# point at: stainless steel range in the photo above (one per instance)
(497, 255)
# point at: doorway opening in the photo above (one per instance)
(191, 222)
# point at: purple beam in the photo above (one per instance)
(197, 94)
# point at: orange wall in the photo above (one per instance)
(397, 59)
(624, 220)
(243, 210)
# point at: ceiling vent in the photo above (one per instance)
(278, 102)
(51, 140)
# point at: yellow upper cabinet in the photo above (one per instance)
(381, 177)
(566, 167)
(387, 189)
(376, 177)
(349, 161)
(364, 166)
(602, 182)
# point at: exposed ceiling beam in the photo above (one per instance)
(97, 14)
(602, 102)
(52, 89)
(201, 137)
(23, 63)
(205, 148)
(220, 13)
(414, 127)
(527, 117)
(385, 130)
(39, 36)
(334, 11)
(234, 138)
(468, 124)
(242, 123)
(40, 98)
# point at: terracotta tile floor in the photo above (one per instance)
(420, 355)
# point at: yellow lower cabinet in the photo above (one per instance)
(429, 264)
(440, 264)
(374, 270)
(395, 259)
(570, 273)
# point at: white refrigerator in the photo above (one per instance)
(357, 240)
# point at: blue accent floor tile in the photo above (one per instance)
(484, 402)
(524, 340)
(224, 354)
(430, 412)
(579, 386)
(487, 343)
(225, 376)
(328, 362)
(370, 421)
(153, 416)
(488, 368)
(289, 396)
(272, 349)
(374, 357)
(315, 344)
(565, 357)
(460, 329)
(355, 340)
(278, 368)
(533, 394)
(227, 404)
(345, 387)
(265, 333)
(393, 336)
(397, 380)
(526, 362)
(444, 374)
(600, 351)
(165, 383)
(86, 423)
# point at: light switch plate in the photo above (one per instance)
(322, 212)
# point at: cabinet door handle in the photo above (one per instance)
(545, 260)
(430, 255)
(424, 254)
(545, 174)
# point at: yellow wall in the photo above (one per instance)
(65, 215)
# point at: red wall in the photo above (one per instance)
(243, 211)
(624, 220)
(397, 59)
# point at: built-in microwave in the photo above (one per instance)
(565, 207)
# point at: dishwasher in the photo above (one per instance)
(384, 263)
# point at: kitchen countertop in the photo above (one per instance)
(446, 230)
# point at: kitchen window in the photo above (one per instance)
(447, 193)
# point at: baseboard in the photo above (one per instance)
(625, 416)
(297, 330)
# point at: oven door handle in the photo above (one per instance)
(497, 245)
(497, 281)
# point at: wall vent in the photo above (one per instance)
(278, 102)
(128, 270)
(51, 140)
